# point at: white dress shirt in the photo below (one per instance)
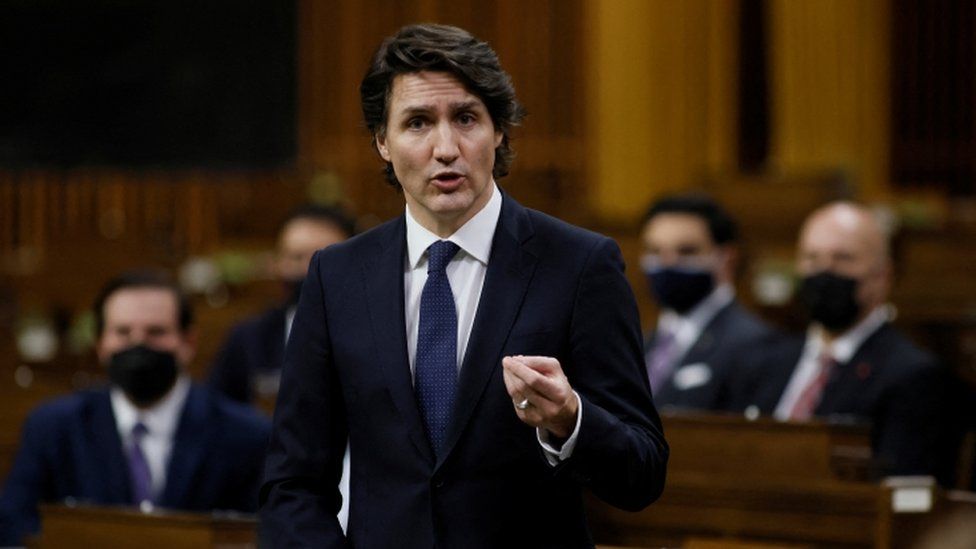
(687, 328)
(161, 422)
(466, 273)
(841, 350)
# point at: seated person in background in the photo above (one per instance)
(853, 362)
(249, 363)
(689, 255)
(152, 438)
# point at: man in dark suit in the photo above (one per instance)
(151, 439)
(249, 363)
(853, 363)
(689, 257)
(483, 359)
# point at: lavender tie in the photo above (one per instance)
(140, 479)
(435, 369)
(661, 360)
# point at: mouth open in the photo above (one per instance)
(447, 181)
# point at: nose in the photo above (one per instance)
(446, 148)
(137, 337)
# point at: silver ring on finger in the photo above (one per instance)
(523, 404)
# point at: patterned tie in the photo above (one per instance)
(139, 476)
(661, 360)
(436, 362)
(810, 396)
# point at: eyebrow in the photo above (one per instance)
(455, 107)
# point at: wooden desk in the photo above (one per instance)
(766, 483)
(123, 528)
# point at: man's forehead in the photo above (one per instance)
(678, 226)
(129, 304)
(841, 223)
(420, 90)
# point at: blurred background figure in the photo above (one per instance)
(248, 366)
(690, 251)
(853, 362)
(152, 437)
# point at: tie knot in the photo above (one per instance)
(439, 254)
(138, 431)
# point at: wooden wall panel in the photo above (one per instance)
(830, 89)
(661, 87)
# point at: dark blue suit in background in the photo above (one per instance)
(889, 381)
(550, 289)
(70, 448)
(731, 334)
(254, 347)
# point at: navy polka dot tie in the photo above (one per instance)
(435, 372)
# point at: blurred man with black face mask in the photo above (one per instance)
(853, 362)
(150, 439)
(248, 366)
(689, 254)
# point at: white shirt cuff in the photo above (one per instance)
(554, 456)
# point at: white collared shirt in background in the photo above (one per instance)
(842, 350)
(687, 328)
(161, 422)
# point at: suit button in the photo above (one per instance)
(438, 483)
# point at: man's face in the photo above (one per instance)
(682, 240)
(845, 241)
(148, 316)
(441, 142)
(299, 240)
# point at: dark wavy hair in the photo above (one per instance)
(721, 226)
(442, 48)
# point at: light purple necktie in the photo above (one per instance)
(140, 479)
(660, 361)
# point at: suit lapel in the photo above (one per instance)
(848, 381)
(104, 434)
(510, 269)
(194, 434)
(383, 283)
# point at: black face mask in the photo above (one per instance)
(145, 374)
(830, 299)
(680, 288)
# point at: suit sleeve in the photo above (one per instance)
(912, 419)
(300, 496)
(27, 484)
(621, 454)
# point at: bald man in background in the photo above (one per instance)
(852, 362)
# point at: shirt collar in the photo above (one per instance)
(700, 315)
(843, 348)
(474, 237)
(160, 420)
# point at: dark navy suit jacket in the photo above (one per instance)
(550, 289)
(70, 448)
(254, 346)
(715, 355)
(897, 387)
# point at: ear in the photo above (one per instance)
(188, 348)
(101, 352)
(380, 140)
(728, 262)
(498, 138)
